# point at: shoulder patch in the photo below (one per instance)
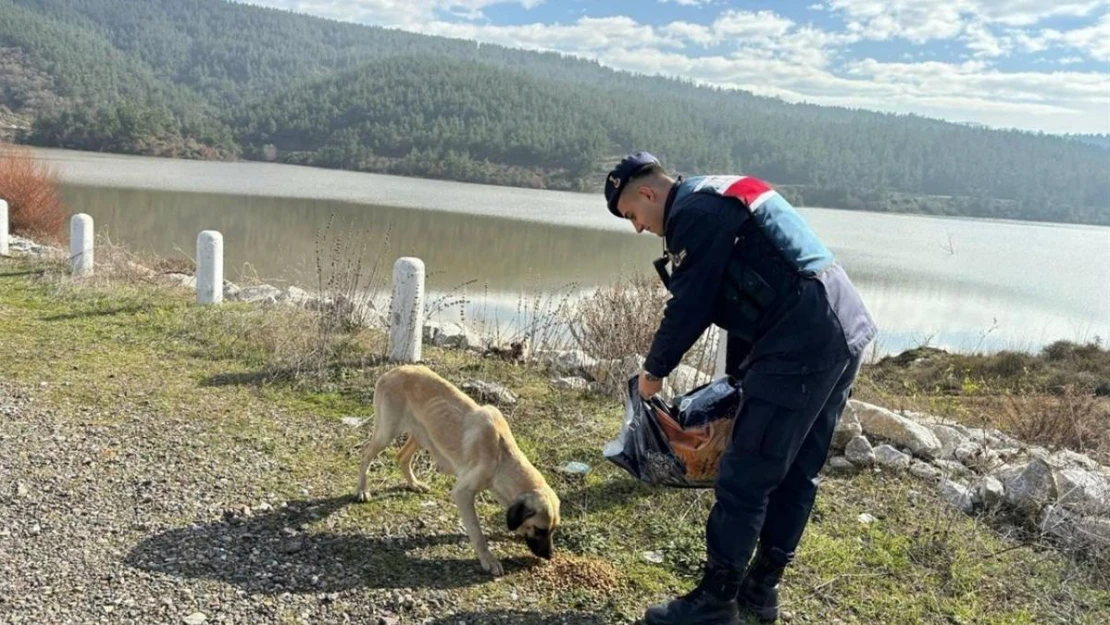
(677, 257)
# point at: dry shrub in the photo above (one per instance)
(31, 190)
(1075, 419)
(619, 321)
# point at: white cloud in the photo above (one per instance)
(924, 20)
(769, 54)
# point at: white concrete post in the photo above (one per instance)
(81, 244)
(3, 228)
(722, 353)
(406, 310)
(210, 267)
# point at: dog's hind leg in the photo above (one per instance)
(464, 494)
(404, 460)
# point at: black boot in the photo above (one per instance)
(712, 602)
(759, 589)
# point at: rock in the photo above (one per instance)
(566, 362)
(181, 279)
(839, 465)
(847, 428)
(976, 457)
(489, 392)
(1068, 459)
(881, 423)
(950, 438)
(196, 618)
(296, 296)
(1057, 521)
(653, 556)
(858, 451)
(575, 468)
(1083, 491)
(925, 471)
(989, 492)
(1030, 487)
(958, 495)
(952, 468)
(264, 293)
(992, 438)
(570, 384)
(451, 335)
(865, 518)
(887, 456)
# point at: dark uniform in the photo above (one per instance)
(743, 258)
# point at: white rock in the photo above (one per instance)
(1068, 459)
(847, 428)
(451, 335)
(1030, 487)
(952, 468)
(887, 456)
(858, 451)
(196, 618)
(261, 293)
(881, 423)
(570, 384)
(1083, 491)
(958, 495)
(976, 457)
(950, 438)
(990, 492)
(865, 518)
(925, 471)
(482, 392)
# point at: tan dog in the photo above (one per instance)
(471, 442)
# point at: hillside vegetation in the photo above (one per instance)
(212, 79)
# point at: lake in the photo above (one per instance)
(960, 284)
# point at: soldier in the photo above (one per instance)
(743, 258)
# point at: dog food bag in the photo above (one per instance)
(678, 444)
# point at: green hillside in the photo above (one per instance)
(213, 79)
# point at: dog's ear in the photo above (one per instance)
(517, 513)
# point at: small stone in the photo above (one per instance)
(858, 451)
(866, 518)
(576, 468)
(653, 556)
(839, 465)
(196, 618)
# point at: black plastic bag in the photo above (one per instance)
(678, 444)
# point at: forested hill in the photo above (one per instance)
(212, 79)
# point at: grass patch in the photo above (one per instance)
(93, 346)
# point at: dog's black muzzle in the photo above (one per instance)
(540, 544)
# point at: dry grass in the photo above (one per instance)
(31, 189)
(1075, 420)
(619, 321)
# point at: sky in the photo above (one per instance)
(1041, 65)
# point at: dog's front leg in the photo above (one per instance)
(464, 499)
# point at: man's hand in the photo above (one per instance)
(648, 388)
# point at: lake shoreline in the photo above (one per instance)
(57, 155)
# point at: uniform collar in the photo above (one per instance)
(670, 201)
